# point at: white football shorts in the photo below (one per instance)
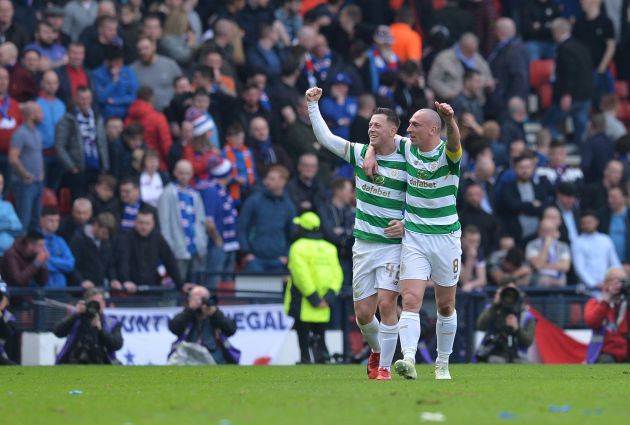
(435, 257)
(375, 266)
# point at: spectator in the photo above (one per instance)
(141, 253)
(264, 226)
(471, 213)
(115, 85)
(10, 120)
(558, 171)
(131, 203)
(593, 253)
(320, 62)
(221, 218)
(54, 16)
(567, 203)
(8, 328)
(266, 153)
(573, 83)
(201, 329)
(381, 58)
(469, 104)
(182, 221)
(53, 109)
(513, 127)
(597, 150)
(81, 144)
(156, 71)
(596, 194)
(53, 53)
(407, 43)
(288, 14)
(152, 181)
(25, 77)
(446, 77)
(265, 54)
(361, 122)
(411, 93)
(550, 258)
(24, 264)
(595, 30)
(100, 44)
(78, 15)
(102, 198)
(473, 275)
(522, 201)
(200, 152)
(10, 225)
(243, 174)
(306, 191)
(94, 254)
(250, 106)
(9, 31)
(73, 75)
(316, 278)
(509, 267)
(509, 65)
(223, 83)
(614, 128)
(92, 336)
(510, 328)
(122, 151)
(339, 109)
(608, 317)
(80, 215)
(157, 134)
(60, 261)
(614, 221)
(27, 163)
(178, 41)
(538, 16)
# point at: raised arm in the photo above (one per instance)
(335, 144)
(453, 144)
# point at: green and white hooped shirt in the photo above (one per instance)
(381, 199)
(432, 181)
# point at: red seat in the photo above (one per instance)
(65, 201)
(540, 72)
(621, 88)
(49, 199)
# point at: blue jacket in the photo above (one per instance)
(122, 92)
(10, 225)
(61, 261)
(220, 206)
(339, 117)
(265, 225)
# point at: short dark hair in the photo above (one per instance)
(470, 73)
(205, 72)
(390, 114)
(515, 256)
(523, 157)
(47, 211)
(471, 228)
(555, 144)
(106, 220)
(234, 128)
(589, 213)
(102, 20)
(338, 184)
(132, 130)
(145, 93)
(33, 236)
(129, 180)
(82, 89)
(280, 169)
(107, 180)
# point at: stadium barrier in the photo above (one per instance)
(37, 310)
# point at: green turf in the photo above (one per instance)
(327, 395)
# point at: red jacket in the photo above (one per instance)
(157, 134)
(199, 161)
(19, 270)
(599, 313)
(13, 112)
(24, 86)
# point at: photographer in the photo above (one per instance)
(8, 330)
(509, 328)
(93, 338)
(608, 317)
(201, 331)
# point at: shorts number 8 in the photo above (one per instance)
(455, 265)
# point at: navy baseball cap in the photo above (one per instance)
(342, 78)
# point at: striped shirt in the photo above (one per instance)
(380, 199)
(432, 180)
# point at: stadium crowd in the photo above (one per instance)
(142, 142)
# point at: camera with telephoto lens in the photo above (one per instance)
(211, 301)
(92, 309)
(510, 300)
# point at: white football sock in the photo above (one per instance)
(445, 329)
(388, 337)
(370, 333)
(409, 331)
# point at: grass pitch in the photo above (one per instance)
(478, 394)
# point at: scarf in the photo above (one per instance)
(87, 129)
(187, 218)
(243, 167)
(469, 63)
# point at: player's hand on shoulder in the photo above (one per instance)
(370, 166)
(313, 94)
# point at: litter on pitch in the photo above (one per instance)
(559, 409)
(506, 416)
(75, 392)
(432, 417)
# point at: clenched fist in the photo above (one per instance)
(445, 110)
(313, 94)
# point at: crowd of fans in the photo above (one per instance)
(142, 142)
